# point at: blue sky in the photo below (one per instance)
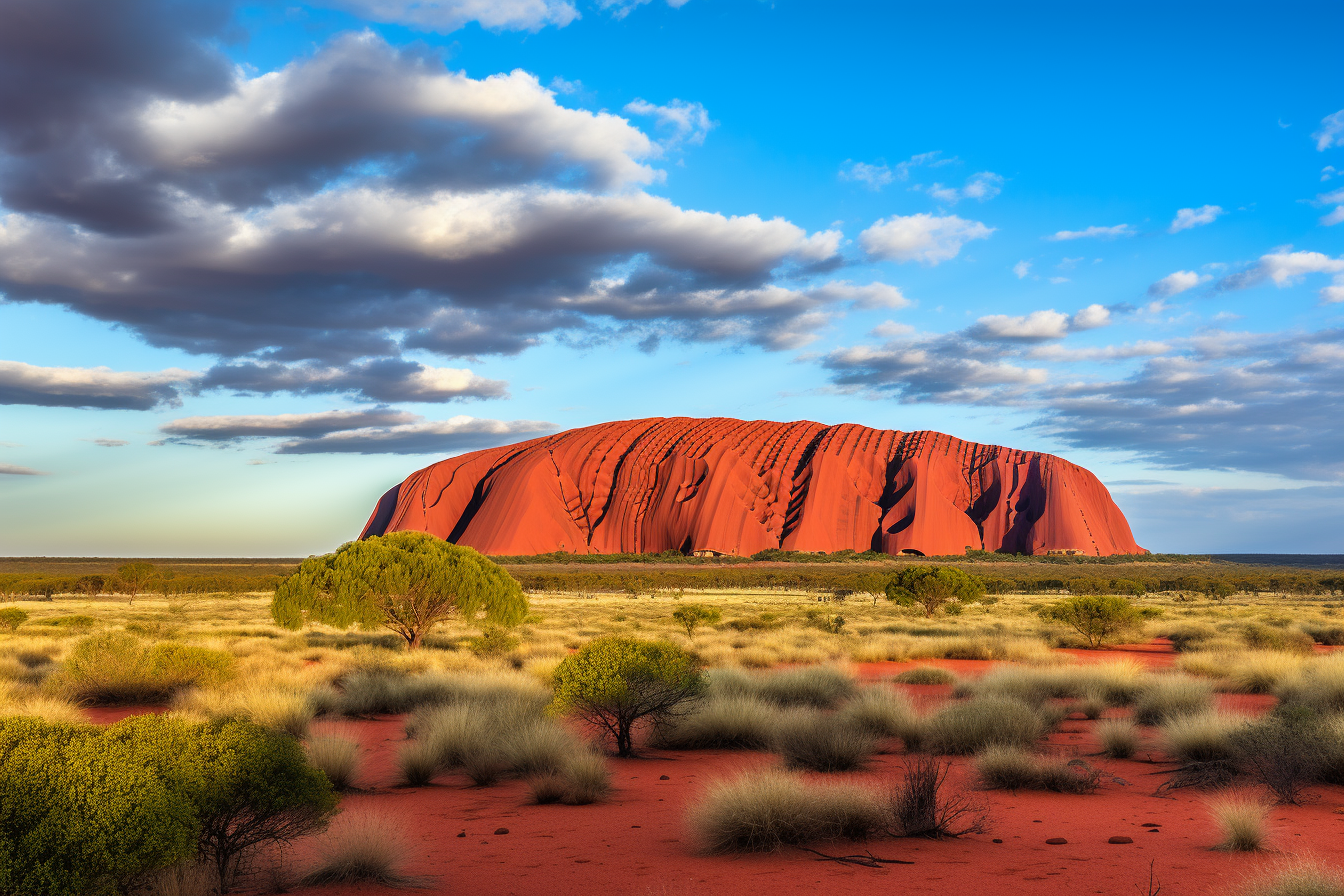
(260, 261)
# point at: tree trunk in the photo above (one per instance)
(623, 740)
(412, 639)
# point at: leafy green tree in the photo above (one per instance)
(1219, 590)
(406, 581)
(1098, 617)
(931, 587)
(614, 683)
(91, 586)
(135, 578)
(12, 617)
(689, 616)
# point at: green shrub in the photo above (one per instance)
(971, 725)
(86, 810)
(116, 667)
(1098, 618)
(614, 683)
(12, 617)
(493, 641)
(1267, 637)
(691, 616)
(934, 587)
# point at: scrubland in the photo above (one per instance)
(862, 721)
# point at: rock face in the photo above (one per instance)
(736, 487)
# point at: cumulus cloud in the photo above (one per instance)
(1285, 267)
(873, 176)
(1059, 353)
(455, 434)
(982, 187)
(355, 203)
(1093, 232)
(444, 16)
(1038, 326)
(16, 470)
(1177, 282)
(231, 427)
(384, 380)
(946, 369)
(1335, 198)
(1187, 218)
(928, 239)
(90, 387)
(622, 8)
(683, 122)
(1331, 131)
(1022, 269)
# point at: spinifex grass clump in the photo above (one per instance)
(1119, 738)
(1242, 818)
(1012, 768)
(720, 723)
(362, 848)
(115, 667)
(1297, 877)
(1169, 696)
(821, 687)
(763, 810)
(971, 725)
(810, 739)
(581, 779)
(884, 713)
(925, 675)
(1201, 737)
(337, 755)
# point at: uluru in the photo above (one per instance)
(735, 487)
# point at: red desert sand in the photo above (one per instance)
(637, 843)
(736, 487)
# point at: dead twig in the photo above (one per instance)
(868, 860)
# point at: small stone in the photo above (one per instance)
(1150, 824)
(1121, 840)
(664, 778)
(1154, 831)
(997, 840)
(582, 861)
(501, 830)
(1056, 841)
(634, 825)
(463, 834)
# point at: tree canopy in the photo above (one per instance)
(1098, 617)
(933, 586)
(405, 581)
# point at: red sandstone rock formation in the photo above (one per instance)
(737, 487)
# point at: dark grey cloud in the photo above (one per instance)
(90, 387)
(353, 203)
(381, 380)
(232, 427)
(427, 437)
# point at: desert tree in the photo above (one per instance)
(91, 585)
(613, 683)
(135, 578)
(931, 587)
(405, 581)
(690, 616)
(1098, 618)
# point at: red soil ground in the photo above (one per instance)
(637, 842)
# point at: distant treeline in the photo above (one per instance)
(870, 581)
(164, 583)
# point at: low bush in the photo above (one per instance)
(86, 810)
(284, 710)
(1286, 750)
(1012, 768)
(720, 723)
(1241, 818)
(1297, 877)
(11, 618)
(818, 741)
(883, 713)
(820, 687)
(115, 667)
(1168, 696)
(1318, 685)
(361, 848)
(485, 740)
(417, 763)
(337, 755)
(1329, 635)
(971, 725)
(763, 810)
(1119, 738)
(1268, 637)
(1201, 737)
(582, 779)
(925, 675)
(1110, 684)
(383, 692)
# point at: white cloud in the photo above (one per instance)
(109, 443)
(1176, 283)
(1093, 232)
(982, 187)
(1331, 131)
(924, 238)
(874, 177)
(228, 427)
(1287, 268)
(444, 16)
(1038, 326)
(890, 329)
(622, 8)
(16, 470)
(1090, 318)
(1187, 218)
(90, 387)
(1060, 280)
(1335, 198)
(1022, 269)
(1058, 353)
(685, 122)
(455, 434)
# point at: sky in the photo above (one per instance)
(260, 261)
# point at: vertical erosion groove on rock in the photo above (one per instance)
(737, 487)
